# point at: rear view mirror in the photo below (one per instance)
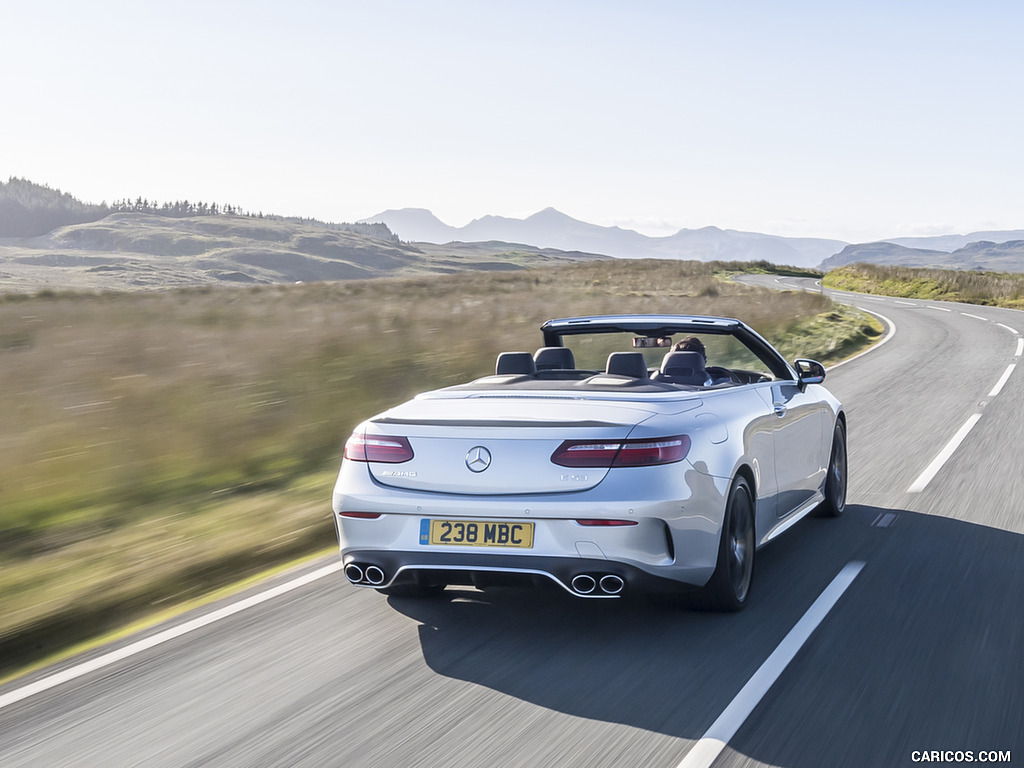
(650, 342)
(810, 371)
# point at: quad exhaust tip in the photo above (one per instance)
(608, 584)
(584, 584)
(612, 584)
(372, 575)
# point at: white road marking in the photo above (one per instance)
(710, 746)
(107, 659)
(941, 309)
(1020, 348)
(906, 303)
(873, 347)
(933, 469)
(884, 520)
(1002, 380)
(968, 314)
(1011, 330)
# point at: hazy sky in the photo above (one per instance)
(835, 119)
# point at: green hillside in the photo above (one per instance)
(132, 251)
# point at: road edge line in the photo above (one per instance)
(79, 670)
(891, 331)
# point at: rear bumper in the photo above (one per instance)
(600, 578)
(673, 543)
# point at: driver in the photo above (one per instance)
(716, 375)
(692, 344)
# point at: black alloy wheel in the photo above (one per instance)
(729, 587)
(834, 503)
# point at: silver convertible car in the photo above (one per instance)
(628, 453)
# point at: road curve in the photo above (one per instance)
(923, 652)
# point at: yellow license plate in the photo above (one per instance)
(477, 533)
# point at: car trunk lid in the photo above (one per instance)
(489, 446)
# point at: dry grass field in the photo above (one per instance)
(998, 289)
(154, 446)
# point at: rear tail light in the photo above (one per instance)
(621, 453)
(382, 448)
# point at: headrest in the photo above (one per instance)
(683, 364)
(627, 364)
(510, 363)
(552, 358)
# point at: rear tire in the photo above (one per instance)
(834, 503)
(729, 587)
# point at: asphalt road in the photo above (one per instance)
(924, 652)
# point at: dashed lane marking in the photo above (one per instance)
(710, 746)
(884, 520)
(937, 463)
(1002, 380)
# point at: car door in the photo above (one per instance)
(798, 429)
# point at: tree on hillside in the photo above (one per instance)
(30, 210)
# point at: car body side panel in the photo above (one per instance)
(798, 428)
(750, 447)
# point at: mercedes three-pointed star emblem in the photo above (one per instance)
(478, 459)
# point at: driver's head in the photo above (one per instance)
(692, 344)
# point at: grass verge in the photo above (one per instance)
(985, 288)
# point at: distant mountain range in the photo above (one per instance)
(950, 243)
(35, 218)
(550, 228)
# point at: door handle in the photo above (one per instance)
(780, 409)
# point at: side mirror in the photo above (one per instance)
(810, 372)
